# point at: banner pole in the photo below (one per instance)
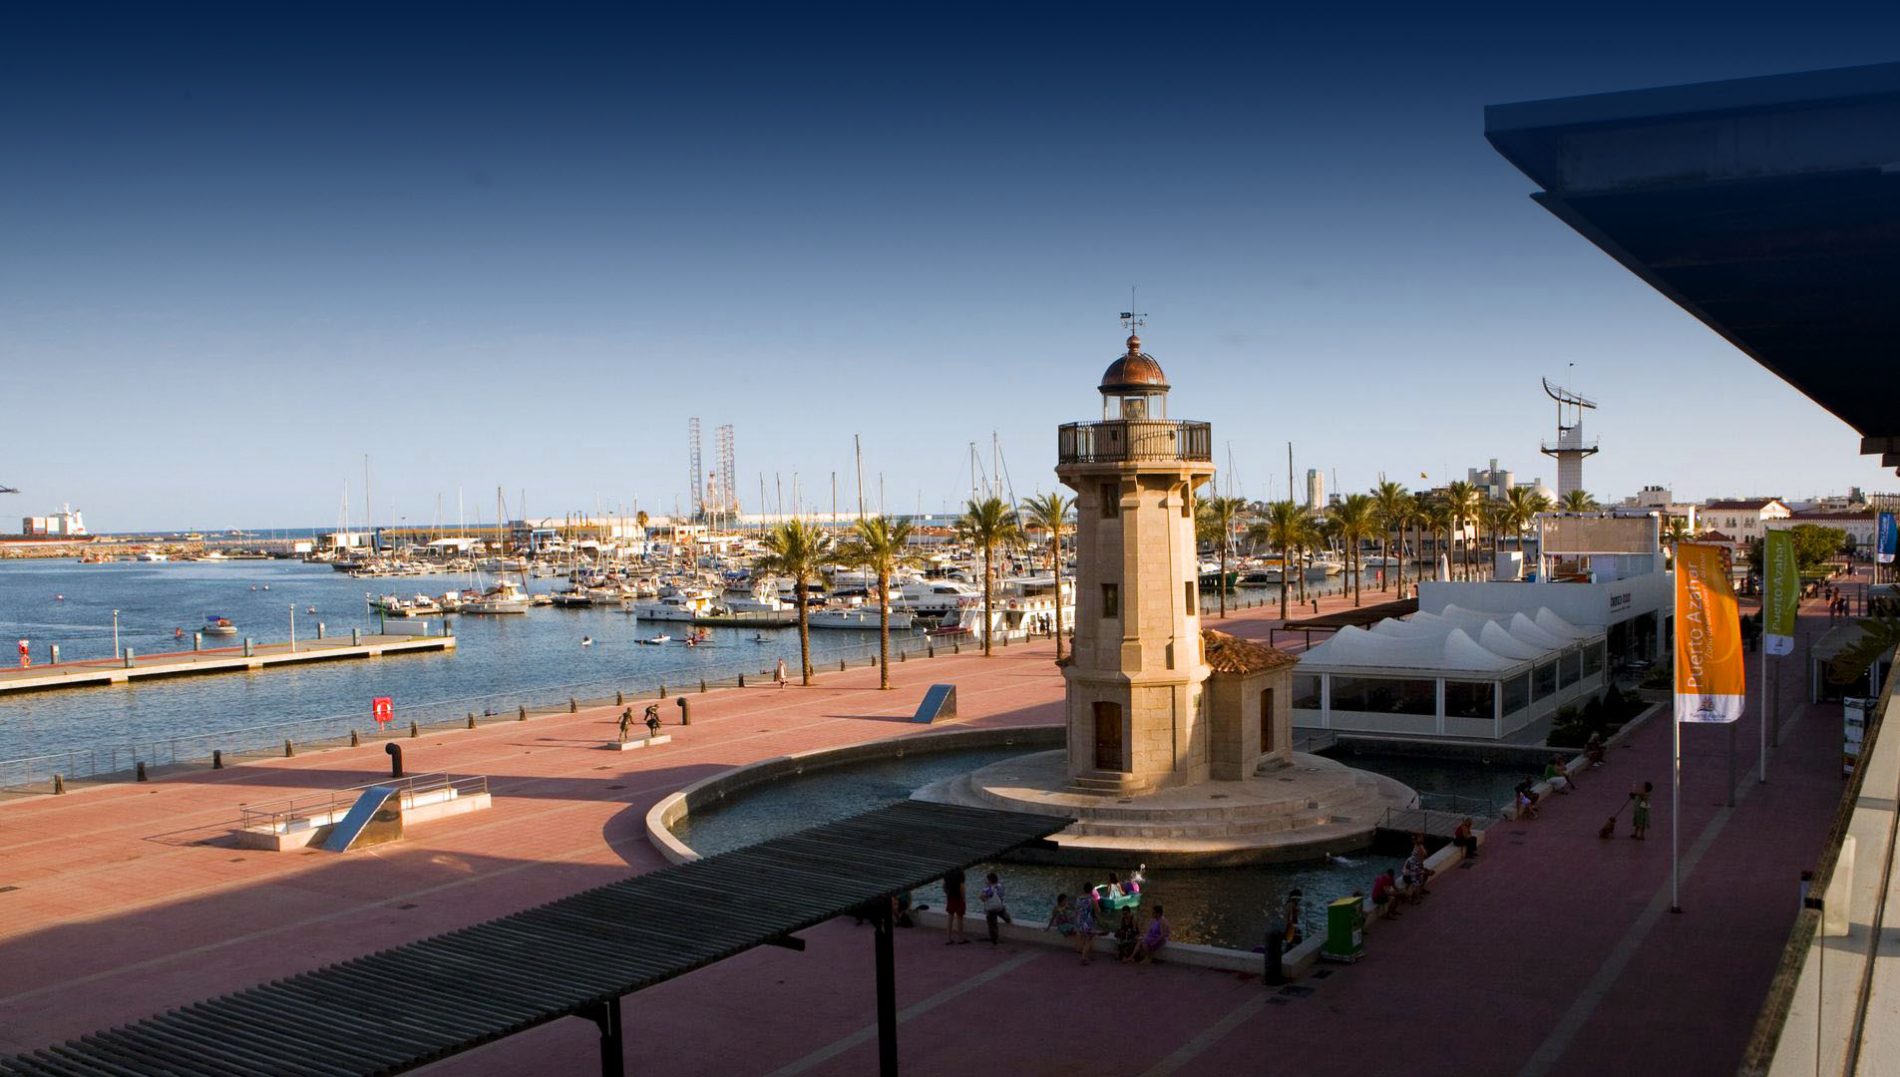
(1675, 812)
(1764, 701)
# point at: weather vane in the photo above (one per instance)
(1131, 320)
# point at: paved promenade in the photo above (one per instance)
(1554, 953)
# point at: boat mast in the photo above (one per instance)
(857, 449)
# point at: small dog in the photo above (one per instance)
(1609, 829)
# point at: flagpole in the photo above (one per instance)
(1675, 809)
(1764, 687)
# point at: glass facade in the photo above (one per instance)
(1544, 680)
(1306, 691)
(1593, 659)
(1569, 668)
(1517, 693)
(1470, 699)
(1385, 695)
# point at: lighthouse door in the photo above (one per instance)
(1108, 736)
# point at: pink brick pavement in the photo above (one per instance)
(1550, 943)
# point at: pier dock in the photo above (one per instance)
(213, 660)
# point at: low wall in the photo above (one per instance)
(663, 816)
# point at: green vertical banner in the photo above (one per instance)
(1781, 592)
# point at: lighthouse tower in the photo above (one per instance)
(1137, 701)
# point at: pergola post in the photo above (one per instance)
(886, 958)
(613, 1058)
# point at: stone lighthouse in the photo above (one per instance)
(1138, 709)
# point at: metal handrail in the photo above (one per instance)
(1122, 440)
(277, 816)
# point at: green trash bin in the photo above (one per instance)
(1345, 930)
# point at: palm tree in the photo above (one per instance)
(1675, 530)
(1390, 503)
(1353, 515)
(1578, 501)
(1049, 513)
(1492, 516)
(882, 545)
(1462, 498)
(988, 523)
(1521, 506)
(1215, 517)
(799, 550)
(1282, 526)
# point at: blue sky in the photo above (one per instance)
(241, 251)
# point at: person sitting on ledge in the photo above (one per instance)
(1463, 838)
(1127, 934)
(1153, 940)
(1526, 800)
(1062, 917)
(1384, 889)
(1558, 775)
(1413, 874)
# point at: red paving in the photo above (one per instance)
(1549, 955)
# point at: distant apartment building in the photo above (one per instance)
(1315, 489)
(1743, 519)
(1494, 482)
(66, 522)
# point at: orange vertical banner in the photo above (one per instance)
(1710, 682)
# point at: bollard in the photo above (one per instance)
(686, 716)
(873, 662)
(662, 691)
(840, 665)
(414, 729)
(702, 686)
(197, 641)
(903, 656)
(319, 629)
(395, 758)
(288, 749)
(742, 680)
(138, 771)
(471, 719)
(523, 715)
(355, 741)
(956, 646)
(572, 706)
(59, 785)
(620, 699)
(930, 648)
(356, 636)
(55, 654)
(217, 758)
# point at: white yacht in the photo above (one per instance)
(860, 617)
(1023, 607)
(678, 606)
(504, 597)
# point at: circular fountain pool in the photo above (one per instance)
(1220, 906)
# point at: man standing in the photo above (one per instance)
(953, 906)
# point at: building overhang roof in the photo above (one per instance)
(1769, 208)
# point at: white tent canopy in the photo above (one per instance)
(1457, 639)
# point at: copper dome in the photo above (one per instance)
(1136, 372)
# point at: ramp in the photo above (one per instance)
(939, 702)
(368, 807)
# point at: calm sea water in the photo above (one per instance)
(500, 662)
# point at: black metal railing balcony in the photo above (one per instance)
(1132, 440)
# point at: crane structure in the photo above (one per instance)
(695, 472)
(1569, 449)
